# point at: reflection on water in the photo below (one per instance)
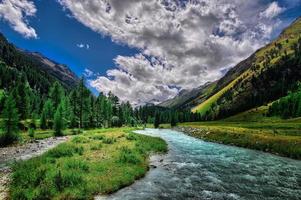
(194, 169)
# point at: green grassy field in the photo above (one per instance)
(253, 130)
(95, 162)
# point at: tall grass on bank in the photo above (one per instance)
(97, 162)
(282, 138)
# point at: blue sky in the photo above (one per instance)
(146, 51)
(59, 35)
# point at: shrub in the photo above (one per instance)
(80, 139)
(131, 136)
(96, 147)
(76, 131)
(129, 156)
(65, 150)
(65, 179)
(109, 140)
(116, 122)
(31, 133)
(75, 164)
(97, 137)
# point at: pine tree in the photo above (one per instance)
(173, 121)
(59, 124)
(74, 120)
(10, 121)
(47, 113)
(21, 94)
(43, 121)
(56, 94)
(157, 119)
(99, 110)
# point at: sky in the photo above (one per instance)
(146, 51)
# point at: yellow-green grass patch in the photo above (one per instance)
(85, 166)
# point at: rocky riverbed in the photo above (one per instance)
(11, 154)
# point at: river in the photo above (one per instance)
(195, 169)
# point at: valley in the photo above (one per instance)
(204, 106)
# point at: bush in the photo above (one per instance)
(31, 133)
(76, 131)
(129, 156)
(80, 139)
(131, 136)
(96, 147)
(67, 179)
(116, 122)
(97, 137)
(75, 164)
(109, 140)
(65, 150)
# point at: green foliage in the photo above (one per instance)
(59, 124)
(109, 140)
(157, 120)
(65, 150)
(127, 155)
(131, 136)
(56, 94)
(115, 122)
(66, 173)
(9, 125)
(80, 139)
(262, 78)
(31, 133)
(287, 107)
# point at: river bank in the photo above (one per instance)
(258, 139)
(195, 169)
(8, 155)
(99, 161)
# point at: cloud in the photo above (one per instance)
(15, 12)
(183, 44)
(81, 46)
(88, 73)
(273, 10)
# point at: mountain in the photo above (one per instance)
(59, 71)
(40, 71)
(188, 98)
(265, 76)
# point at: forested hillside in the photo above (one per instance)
(39, 94)
(38, 70)
(264, 77)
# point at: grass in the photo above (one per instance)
(205, 106)
(43, 134)
(161, 126)
(96, 162)
(252, 129)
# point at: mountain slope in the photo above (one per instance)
(265, 76)
(59, 71)
(40, 71)
(189, 98)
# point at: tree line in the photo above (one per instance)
(78, 108)
(288, 106)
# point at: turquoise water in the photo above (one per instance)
(194, 169)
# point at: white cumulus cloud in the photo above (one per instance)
(15, 13)
(183, 44)
(85, 46)
(273, 10)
